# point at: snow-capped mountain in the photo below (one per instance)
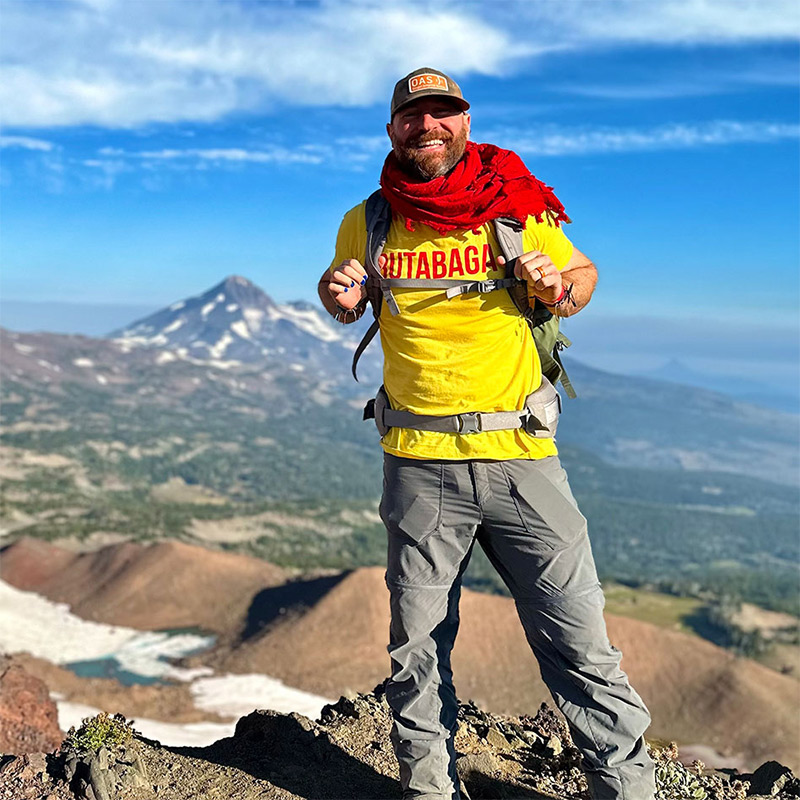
(237, 322)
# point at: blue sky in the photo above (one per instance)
(152, 147)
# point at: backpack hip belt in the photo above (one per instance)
(539, 417)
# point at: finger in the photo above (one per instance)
(348, 278)
(549, 282)
(355, 277)
(355, 268)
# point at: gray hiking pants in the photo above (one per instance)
(526, 519)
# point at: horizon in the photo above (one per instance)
(662, 348)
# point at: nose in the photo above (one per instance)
(428, 122)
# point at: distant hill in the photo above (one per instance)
(743, 390)
(249, 404)
(161, 585)
(647, 423)
(328, 635)
(696, 692)
(233, 346)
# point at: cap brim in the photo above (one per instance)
(457, 101)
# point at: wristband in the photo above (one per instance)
(558, 300)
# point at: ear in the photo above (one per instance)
(467, 120)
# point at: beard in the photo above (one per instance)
(420, 164)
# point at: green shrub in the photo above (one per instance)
(103, 730)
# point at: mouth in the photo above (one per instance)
(431, 145)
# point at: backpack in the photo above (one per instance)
(543, 324)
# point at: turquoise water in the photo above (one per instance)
(110, 667)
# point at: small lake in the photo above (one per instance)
(146, 659)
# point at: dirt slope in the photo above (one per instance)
(167, 584)
(329, 636)
(696, 691)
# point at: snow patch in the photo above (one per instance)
(176, 306)
(206, 309)
(240, 329)
(232, 307)
(217, 350)
(101, 379)
(254, 317)
(25, 349)
(310, 322)
(83, 362)
(238, 695)
(32, 624)
(130, 341)
(165, 357)
(173, 326)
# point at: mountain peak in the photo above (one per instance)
(236, 321)
(238, 289)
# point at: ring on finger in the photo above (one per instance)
(542, 272)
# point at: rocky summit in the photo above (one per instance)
(345, 754)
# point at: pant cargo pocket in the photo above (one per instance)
(546, 509)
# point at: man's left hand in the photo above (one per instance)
(541, 274)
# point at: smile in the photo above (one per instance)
(431, 144)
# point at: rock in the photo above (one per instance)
(28, 717)
(497, 739)
(100, 778)
(772, 779)
(554, 746)
(531, 737)
(70, 766)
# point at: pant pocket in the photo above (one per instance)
(545, 504)
(412, 497)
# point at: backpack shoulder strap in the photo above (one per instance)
(542, 322)
(509, 236)
(378, 218)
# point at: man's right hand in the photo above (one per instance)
(346, 285)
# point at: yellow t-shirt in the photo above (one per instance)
(472, 353)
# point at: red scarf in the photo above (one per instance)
(485, 184)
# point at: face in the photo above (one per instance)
(429, 136)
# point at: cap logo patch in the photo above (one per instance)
(427, 81)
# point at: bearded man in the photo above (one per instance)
(461, 460)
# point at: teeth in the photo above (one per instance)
(432, 143)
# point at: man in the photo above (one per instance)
(500, 483)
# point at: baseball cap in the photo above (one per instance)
(425, 82)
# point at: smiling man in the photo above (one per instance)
(463, 257)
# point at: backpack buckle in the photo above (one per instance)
(469, 422)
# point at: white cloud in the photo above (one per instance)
(127, 64)
(115, 64)
(26, 143)
(277, 155)
(683, 21)
(675, 136)
(356, 152)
